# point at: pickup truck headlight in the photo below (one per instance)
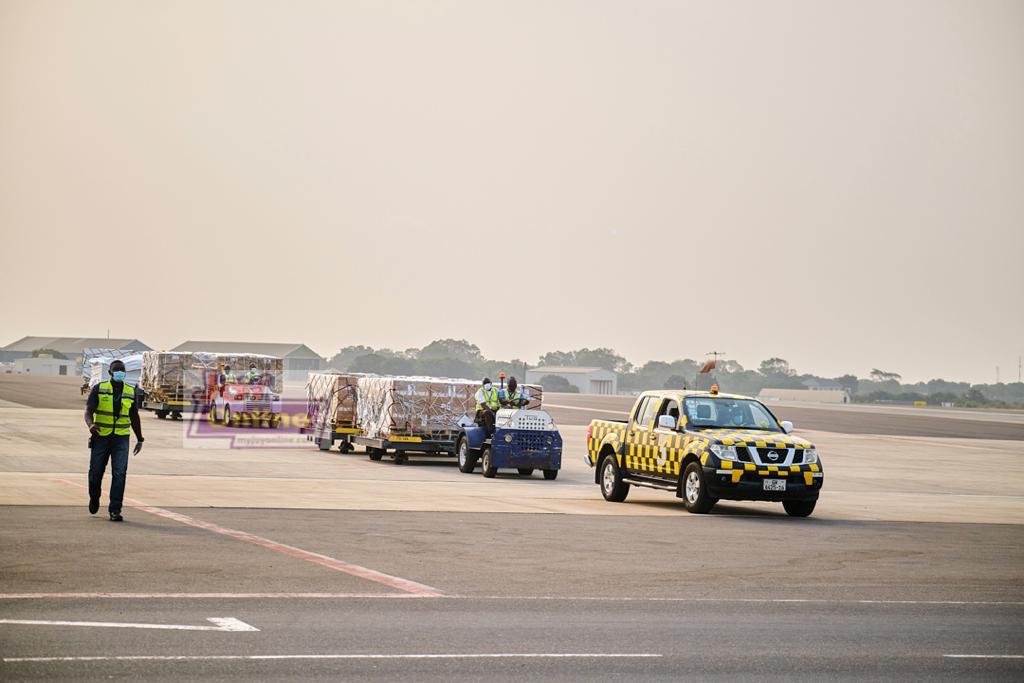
(724, 452)
(810, 456)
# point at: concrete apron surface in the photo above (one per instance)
(43, 461)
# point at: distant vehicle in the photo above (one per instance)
(241, 403)
(705, 446)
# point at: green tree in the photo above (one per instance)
(675, 382)
(344, 357)
(596, 358)
(459, 349)
(883, 376)
(775, 367)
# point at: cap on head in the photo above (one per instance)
(487, 380)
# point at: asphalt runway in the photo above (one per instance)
(579, 409)
(318, 565)
(504, 597)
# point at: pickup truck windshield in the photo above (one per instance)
(728, 413)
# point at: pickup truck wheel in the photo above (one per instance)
(613, 488)
(695, 492)
(526, 471)
(229, 419)
(551, 475)
(485, 463)
(374, 453)
(799, 508)
(467, 461)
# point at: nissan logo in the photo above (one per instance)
(773, 456)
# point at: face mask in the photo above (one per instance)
(118, 375)
(487, 387)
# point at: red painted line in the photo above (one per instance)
(201, 596)
(396, 582)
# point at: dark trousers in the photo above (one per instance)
(115, 449)
(485, 418)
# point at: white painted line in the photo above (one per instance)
(985, 656)
(620, 413)
(203, 658)
(203, 596)
(316, 558)
(220, 624)
(509, 598)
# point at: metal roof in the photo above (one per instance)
(280, 350)
(72, 344)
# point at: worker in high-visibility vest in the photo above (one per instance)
(487, 403)
(513, 396)
(111, 413)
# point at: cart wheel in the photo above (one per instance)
(176, 415)
(161, 414)
(526, 471)
(345, 447)
(485, 463)
(550, 475)
(375, 453)
(467, 461)
(401, 458)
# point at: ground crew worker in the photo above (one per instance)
(486, 404)
(512, 397)
(110, 412)
(228, 377)
(254, 376)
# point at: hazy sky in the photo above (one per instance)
(837, 183)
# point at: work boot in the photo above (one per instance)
(116, 517)
(94, 505)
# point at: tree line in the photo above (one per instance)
(460, 358)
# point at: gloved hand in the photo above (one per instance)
(138, 447)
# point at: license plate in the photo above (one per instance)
(774, 484)
(405, 439)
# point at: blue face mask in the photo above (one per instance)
(118, 375)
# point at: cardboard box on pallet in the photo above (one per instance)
(413, 405)
(331, 401)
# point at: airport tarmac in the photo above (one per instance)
(327, 565)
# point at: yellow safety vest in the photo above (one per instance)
(121, 423)
(490, 399)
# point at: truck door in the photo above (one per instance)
(641, 439)
(670, 441)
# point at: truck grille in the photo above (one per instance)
(531, 441)
(780, 454)
(257, 406)
(798, 456)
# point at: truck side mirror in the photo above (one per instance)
(787, 426)
(666, 422)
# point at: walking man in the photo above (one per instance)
(109, 413)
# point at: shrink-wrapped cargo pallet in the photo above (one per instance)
(99, 369)
(413, 405)
(331, 400)
(110, 354)
(183, 375)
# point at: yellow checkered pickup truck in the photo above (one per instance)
(705, 446)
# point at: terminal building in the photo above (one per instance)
(586, 380)
(299, 359)
(69, 347)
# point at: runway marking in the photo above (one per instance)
(588, 410)
(316, 558)
(510, 598)
(214, 596)
(220, 624)
(985, 656)
(460, 655)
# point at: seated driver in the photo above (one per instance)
(513, 397)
